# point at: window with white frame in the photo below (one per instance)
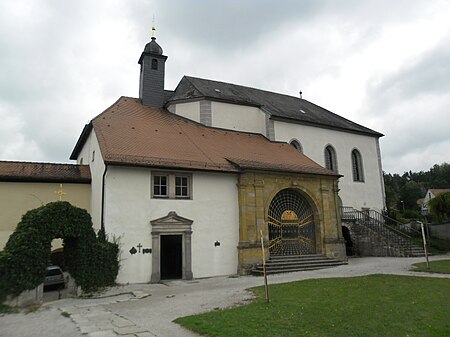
(160, 186)
(181, 186)
(171, 185)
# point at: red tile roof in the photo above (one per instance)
(132, 134)
(44, 172)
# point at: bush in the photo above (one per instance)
(412, 214)
(92, 262)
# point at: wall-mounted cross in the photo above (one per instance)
(139, 247)
(60, 192)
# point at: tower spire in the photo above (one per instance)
(151, 83)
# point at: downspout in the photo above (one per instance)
(103, 199)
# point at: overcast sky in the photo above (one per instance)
(382, 63)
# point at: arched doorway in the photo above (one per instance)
(291, 224)
(348, 240)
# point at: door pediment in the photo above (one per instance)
(172, 222)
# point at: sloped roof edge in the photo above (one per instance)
(15, 171)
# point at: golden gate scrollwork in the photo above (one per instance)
(291, 224)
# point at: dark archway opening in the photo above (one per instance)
(171, 257)
(348, 241)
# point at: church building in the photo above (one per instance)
(188, 180)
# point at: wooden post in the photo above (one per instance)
(425, 244)
(266, 286)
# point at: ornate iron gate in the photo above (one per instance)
(291, 224)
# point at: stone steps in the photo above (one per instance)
(290, 263)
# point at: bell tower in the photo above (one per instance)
(151, 82)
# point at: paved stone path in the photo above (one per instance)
(144, 310)
(94, 320)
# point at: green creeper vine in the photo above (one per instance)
(92, 261)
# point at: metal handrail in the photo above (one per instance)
(377, 222)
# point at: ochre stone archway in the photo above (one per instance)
(257, 190)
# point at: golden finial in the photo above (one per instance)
(60, 192)
(153, 28)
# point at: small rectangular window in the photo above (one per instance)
(160, 186)
(181, 187)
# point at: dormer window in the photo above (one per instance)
(154, 64)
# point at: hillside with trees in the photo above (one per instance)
(403, 191)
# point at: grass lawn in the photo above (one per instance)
(376, 305)
(440, 266)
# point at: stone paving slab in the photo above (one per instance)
(128, 330)
(106, 333)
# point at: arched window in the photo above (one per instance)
(330, 158)
(155, 64)
(295, 143)
(357, 165)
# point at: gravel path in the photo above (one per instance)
(147, 310)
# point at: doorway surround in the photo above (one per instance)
(172, 224)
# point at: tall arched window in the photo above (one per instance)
(295, 143)
(330, 158)
(357, 166)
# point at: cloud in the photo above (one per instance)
(381, 63)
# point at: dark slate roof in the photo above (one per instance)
(279, 106)
(15, 171)
(153, 48)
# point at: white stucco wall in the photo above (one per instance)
(238, 117)
(213, 209)
(314, 140)
(189, 110)
(97, 167)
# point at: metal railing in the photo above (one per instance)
(393, 231)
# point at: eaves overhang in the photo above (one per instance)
(81, 140)
(371, 133)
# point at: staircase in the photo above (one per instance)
(378, 235)
(290, 263)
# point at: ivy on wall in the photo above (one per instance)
(92, 261)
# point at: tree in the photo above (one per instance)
(409, 194)
(440, 206)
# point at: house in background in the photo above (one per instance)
(190, 179)
(431, 194)
(25, 186)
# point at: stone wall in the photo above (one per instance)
(368, 243)
(27, 297)
(440, 231)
